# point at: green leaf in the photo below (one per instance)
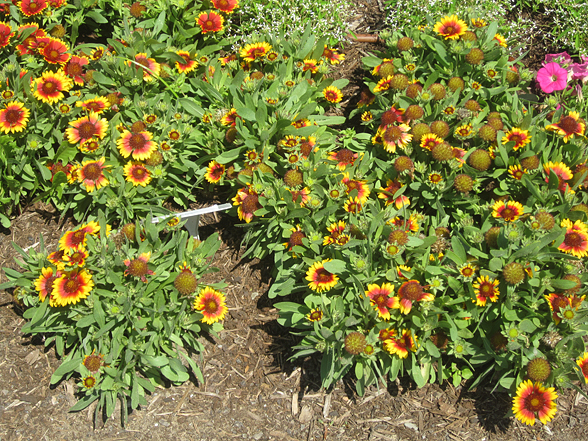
(84, 402)
(96, 16)
(190, 106)
(335, 266)
(102, 79)
(65, 368)
(155, 361)
(359, 370)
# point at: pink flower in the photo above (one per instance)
(580, 71)
(552, 77)
(562, 57)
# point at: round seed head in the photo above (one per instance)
(403, 163)
(442, 152)
(418, 131)
(438, 91)
(413, 90)
(355, 343)
(405, 44)
(463, 183)
(538, 369)
(440, 128)
(186, 282)
(530, 162)
(480, 160)
(292, 178)
(413, 112)
(475, 56)
(487, 133)
(455, 83)
(513, 273)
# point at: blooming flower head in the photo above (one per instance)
(74, 257)
(92, 174)
(319, 278)
(77, 238)
(333, 55)
(582, 363)
(14, 117)
(55, 52)
(517, 172)
(509, 211)
(394, 136)
(500, 39)
(32, 7)
(558, 302)
(467, 272)
(383, 84)
(87, 127)
(230, 118)
(332, 94)
(93, 362)
(150, 67)
(534, 400)
(210, 22)
(401, 345)
(253, 51)
(74, 69)
(485, 289)
(381, 297)
(247, 201)
(97, 104)
(562, 171)
(226, 6)
(568, 126)
(344, 157)
(50, 86)
(211, 303)
(392, 186)
(44, 283)
(336, 230)
(520, 137)
(450, 27)
(138, 267)
(311, 65)
(214, 172)
(315, 315)
(552, 77)
(356, 185)
(575, 240)
(188, 65)
(5, 34)
(71, 287)
(410, 292)
(139, 145)
(137, 173)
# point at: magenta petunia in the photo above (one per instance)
(580, 71)
(562, 57)
(552, 77)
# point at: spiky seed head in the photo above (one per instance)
(513, 77)
(440, 128)
(442, 152)
(455, 83)
(545, 219)
(581, 207)
(413, 90)
(413, 112)
(155, 159)
(530, 162)
(498, 341)
(496, 123)
(463, 183)
(492, 115)
(399, 82)
(469, 36)
(186, 282)
(480, 160)
(355, 343)
(138, 126)
(231, 135)
(513, 273)
(538, 369)
(491, 237)
(418, 131)
(129, 231)
(386, 69)
(405, 44)
(398, 236)
(475, 56)
(264, 168)
(576, 280)
(292, 178)
(403, 163)
(472, 106)
(487, 133)
(438, 91)
(442, 232)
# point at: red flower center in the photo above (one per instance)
(211, 306)
(449, 30)
(138, 268)
(250, 204)
(585, 369)
(76, 257)
(569, 125)
(142, 61)
(48, 285)
(435, 178)
(535, 402)
(345, 156)
(392, 134)
(296, 238)
(139, 173)
(323, 276)
(71, 285)
(92, 171)
(508, 214)
(53, 54)
(573, 239)
(77, 238)
(93, 363)
(516, 138)
(87, 130)
(411, 290)
(33, 6)
(316, 316)
(467, 271)
(12, 116)
(73, 69)
(49, 86)
(137, 141)
(486, 289)
(93, 106)
(380, 299)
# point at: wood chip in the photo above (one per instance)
(295, 408)
(305, 415)
(327, 406)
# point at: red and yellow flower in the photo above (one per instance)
(534, 400)
(562, 171)
(14, 117)
(230, 118)
(76, 239)
(450, 27)
(98, 104)
(356, 185)
(138, 145)
(396, 136)
(247, 201)
(500, 39)
(320, 279)
(137, 173)
(517, 172)
(344, 157)
(333, 55)
(50, 86)
(151, 68)
(582, 363)
(214, 172)
(311, 65)
(210, 22)
(401, 345)
(5, 34)
(91, 174)
(336, 230)
(87, 127)
(520, 137)
(392, 186)
(485, 289)
(226, 6)
(71, 287)
(383, 84)
(410, 292)
(315, 315)
(32, 7)
(509, 211)
(332, 94)
(55, 52)
(430, 141)
(253, 51)
(139, 266)
(381, 297)
(568, 126)
(576, 238)
(44, 283)
(75, 69)
(188, 65)
(211, 303)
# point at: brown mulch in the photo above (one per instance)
(251, 390)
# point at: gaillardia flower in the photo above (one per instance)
(75, 69)
(247, 201)
(214, 172)
(320, 279)
(534, 400)
(87, 127)
(568, 126)
(5, 34)
(71, 287)
(575, 241)
(138, 145)
(509, 211)
(91, 174)
(211, 303)
(412, 291)
(255, 50)
(151, 68)
(32, 7)
(450, 27)
(332, 94)
(77, 238)
(315, 315)
(344, 157)
(396, 136)
(485, 289)
(14, 117)
(401, 345)
(55, 52)
(210, 22)
(50, 86)
(93, 362)
(353, 185)
(98, 104)
(137, 173)
(562, 171)
(582, 363)
(226, 6)
(520, 137)
(381, 298)
(44, 283)
(138, 267)
(188, 65)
